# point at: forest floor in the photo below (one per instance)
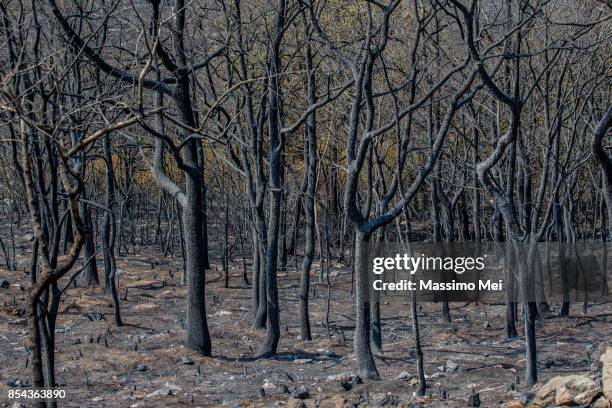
(144, 363)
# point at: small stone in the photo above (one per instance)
(441, 368)
(223, 313)
(4, 284)
(451, 366)
(346, 380)
(340, 377)
(526, 397)
(601, 402)
(474, 400)
(295, 403)
(302, 392)
(187, 361)
(167, 390)
(389, 401)
(329, 354)
(346, 385)
(14, 383)
(142, 367)
(302, 361)
(404, 375)
(512, 404)
(337, 400)
(172, 389)
(161, 391)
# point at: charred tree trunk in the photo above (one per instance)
(605, 161)
(275, 160)
(365, 361)
(310, 145)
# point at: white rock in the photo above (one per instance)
(173, 388)
(451, 366)
(567, 390)
(606, 373)
(404, 375)
(340, 377)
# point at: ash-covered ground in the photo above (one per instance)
(144, 363)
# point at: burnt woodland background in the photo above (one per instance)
(226, 153)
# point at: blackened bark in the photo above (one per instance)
(198, 337)
(530, 313)
(109, 234)
(417, 343)
(276, 148)
(605, 161)
(89, 250)
(365, 361)
(310, 145)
